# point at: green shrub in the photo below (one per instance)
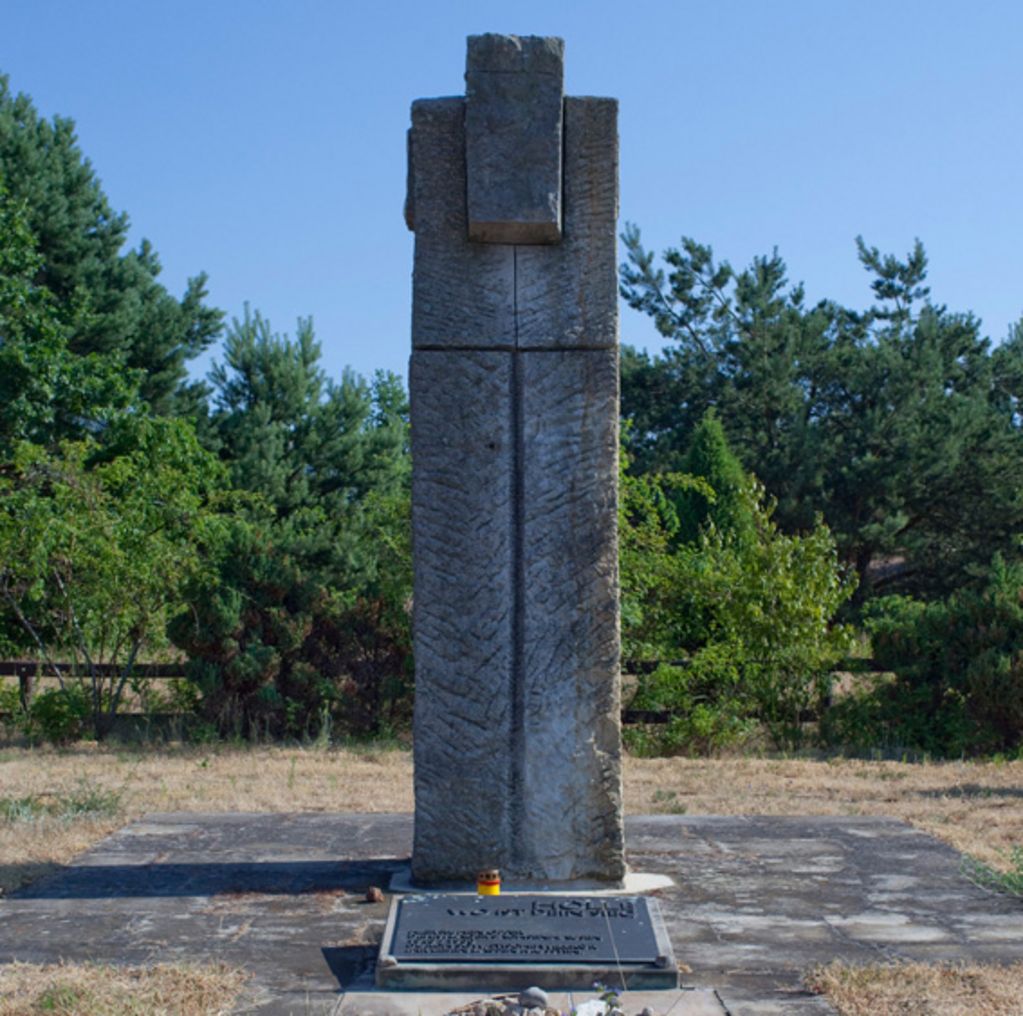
(893, 719)
(11, 713)
(276, 652)
(58, 715)
(705, 699)
(959, 670)
(750, 609)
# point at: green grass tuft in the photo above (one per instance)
(1009, 882)
(82, 801)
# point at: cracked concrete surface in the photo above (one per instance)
(755, 901)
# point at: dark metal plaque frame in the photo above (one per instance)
(558, 941)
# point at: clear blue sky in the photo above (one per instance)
(264, 142)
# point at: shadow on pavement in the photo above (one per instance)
(112, 881)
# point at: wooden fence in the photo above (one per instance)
(26, 671)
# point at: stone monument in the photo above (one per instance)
(513, 194)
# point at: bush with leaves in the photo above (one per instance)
(958, 666)
(365, 644)
(749, 608)
(96, 544)
(58, 715)
(277, 652)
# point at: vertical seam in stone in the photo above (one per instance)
(517, 809)
(564, 165)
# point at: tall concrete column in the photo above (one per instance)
(513, 194)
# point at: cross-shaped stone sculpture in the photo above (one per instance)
(513, 195)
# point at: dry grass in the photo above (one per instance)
(917, 989)
(977, 807)
(84, 989)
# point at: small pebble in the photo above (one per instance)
(533, 998)
(374, 894)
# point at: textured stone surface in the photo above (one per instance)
(508, 54)
(463, 294)
(571, 825)
(513, 123)
(463, 492)
(516, 614)
(514, 438)
(567, 295)
(503, 296)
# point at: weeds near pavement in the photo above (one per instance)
(1010, 882)
(106, 990)
(668, 803)
(941, 989)
(82, 801)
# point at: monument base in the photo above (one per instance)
(634, 883)
(466, 942)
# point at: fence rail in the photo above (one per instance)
(27, 670)
(33, 668)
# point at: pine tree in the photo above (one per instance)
(121, 309)
(897, 423)
(309, 610)
(709, 458)
(47, 393)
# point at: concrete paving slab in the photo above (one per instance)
(755, 900)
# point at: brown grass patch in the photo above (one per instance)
(918, 989)
(264, 779)
(976, 807)
(85, 989)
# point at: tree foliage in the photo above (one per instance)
(956, 672)
(307, 620)
(120, 310)
(894, 423)
(745, 608)
(47, 392)
(96, 546)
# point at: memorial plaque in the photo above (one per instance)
(524, 928)
(557, 941)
